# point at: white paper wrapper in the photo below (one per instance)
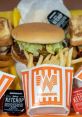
(5, 81)
(38, 10)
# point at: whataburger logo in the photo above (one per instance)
(46, 84)
(45, 80)
(5, 81)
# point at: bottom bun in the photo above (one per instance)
(76, 41)
(17, 57)
(6, 42)
(5, 61)
(5, 69)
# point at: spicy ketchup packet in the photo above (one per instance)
(77, 100)
(47, 89)
(5, 81)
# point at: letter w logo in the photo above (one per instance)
(46, 81)
(49, 82)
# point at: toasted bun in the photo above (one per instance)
(4, 69)
(5, 32)
(5, 42)
(76, 41)
(76, 30)
(6, 61)
(42, 33)
(4, 28)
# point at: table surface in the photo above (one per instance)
(24, 115)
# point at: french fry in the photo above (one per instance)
(65, 57)
(54, 59)
(77, 60)
(40, 60)
(46, 62)
(30, 61)
(69, 59)
(56, 62)
(26, 54)
(51, 61)
(61, 60)
(47, 59)
(75, 53)
(58, 59)
(65, 49)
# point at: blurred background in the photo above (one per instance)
(9, 4)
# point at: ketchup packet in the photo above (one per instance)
(5, 81)
(58, 18)
(77, 100)
(47, 89)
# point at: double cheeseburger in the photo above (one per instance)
(5, 45)
(5, 36)
(38, 39)
(76, 35)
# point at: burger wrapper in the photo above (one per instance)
(47, 89)
(78, 78)
(38, 10)
(5, 81)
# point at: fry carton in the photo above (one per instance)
(5, 81)
(47, 89)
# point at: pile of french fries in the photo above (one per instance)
(62, 58)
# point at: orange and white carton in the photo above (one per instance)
(47, 89)
(5, 81)
(78, 78)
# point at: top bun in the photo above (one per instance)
(41, 33)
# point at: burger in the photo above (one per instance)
(37, 39)
(5, 36)
(5, 45)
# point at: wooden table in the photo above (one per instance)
(24, 115)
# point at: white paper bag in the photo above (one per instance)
(38, 10)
